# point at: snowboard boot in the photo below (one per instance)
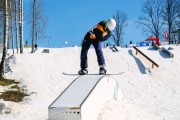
(102, 70)
(83, 72)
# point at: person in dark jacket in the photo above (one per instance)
(98, 34)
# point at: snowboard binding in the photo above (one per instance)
(102, 70)
(83, 72)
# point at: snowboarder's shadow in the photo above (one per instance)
(141, 67)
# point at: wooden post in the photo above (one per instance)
(152, 65)
(136, 52)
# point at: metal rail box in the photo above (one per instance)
(84, 98)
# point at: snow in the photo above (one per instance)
(146, 93)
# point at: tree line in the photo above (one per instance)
(159, 16)
(156, 17)
(12, 26)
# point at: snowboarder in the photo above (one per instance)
(98, 34)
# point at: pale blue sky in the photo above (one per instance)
(70, 20)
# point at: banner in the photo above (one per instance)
(166, 35)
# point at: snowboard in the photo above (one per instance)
(74, 74)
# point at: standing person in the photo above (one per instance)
(126, 45)
(98, 34)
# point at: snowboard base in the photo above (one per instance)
(71, 74)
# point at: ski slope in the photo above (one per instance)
(145, 93)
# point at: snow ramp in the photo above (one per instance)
(84, 98)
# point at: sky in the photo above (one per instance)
(68, 20)
(144, 93)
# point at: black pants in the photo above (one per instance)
(85, 47)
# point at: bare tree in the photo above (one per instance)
(177, 24)
(171, 14)
(1, 21)
(6, 27)
(39, 22)
(33, 28)
(121, 23)
(1, 5)
(21, 25)
(16, 23)
(151, 19)
(13, 10)
(11, 19)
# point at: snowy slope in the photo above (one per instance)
(147, 94)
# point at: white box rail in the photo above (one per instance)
(84, 98)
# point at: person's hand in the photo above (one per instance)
(109, 33)
(107, 29)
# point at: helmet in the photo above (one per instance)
(111, 24)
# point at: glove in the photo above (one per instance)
(108, 35)
(105, 37)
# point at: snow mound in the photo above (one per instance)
(145, 93)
